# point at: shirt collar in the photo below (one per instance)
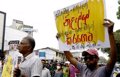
(29, 56)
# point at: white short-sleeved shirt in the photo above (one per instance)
(32, 66)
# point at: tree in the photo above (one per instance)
(117, 36)
(118, 12)
(117, 40)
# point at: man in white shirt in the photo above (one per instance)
(31, 66)
(45, 71)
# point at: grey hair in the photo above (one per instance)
(31, 41)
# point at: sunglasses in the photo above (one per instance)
(89, 57)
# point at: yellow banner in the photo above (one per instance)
(81, 23)
(7, 68)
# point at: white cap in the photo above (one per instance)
(67, 62)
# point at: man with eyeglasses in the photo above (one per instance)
(91, 68)
(31, 65)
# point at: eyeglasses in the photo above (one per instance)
(89, 57)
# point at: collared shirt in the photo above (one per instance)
(45, 72)
(32, 66)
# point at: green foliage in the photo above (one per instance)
(119, 2)
(118, 30)
(117, 40)
(118, 12)
(118, 52)
(118, 15)
(117, 36)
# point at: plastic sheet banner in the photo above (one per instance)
(8, 68)
(81, 26)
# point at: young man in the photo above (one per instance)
(91, 69)
(45, 70)
(31, 66)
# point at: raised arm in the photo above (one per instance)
(70, 58)
(68, 54)
(113, 55)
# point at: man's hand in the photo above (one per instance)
(108, 23)
(16, 72)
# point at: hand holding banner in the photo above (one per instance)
(81, 26)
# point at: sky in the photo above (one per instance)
(40, 15)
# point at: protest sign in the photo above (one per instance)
(81, 26)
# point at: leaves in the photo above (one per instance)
(117, 40)
(118, 12)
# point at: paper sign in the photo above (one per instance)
(81, 26)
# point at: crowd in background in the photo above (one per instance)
(60, 69)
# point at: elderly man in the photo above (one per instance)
(31, 66)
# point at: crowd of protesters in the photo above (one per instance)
(32, 66)
(61, 69)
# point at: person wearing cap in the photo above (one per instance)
(66, 69)
(91, 68)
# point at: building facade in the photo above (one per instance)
(51, 54)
